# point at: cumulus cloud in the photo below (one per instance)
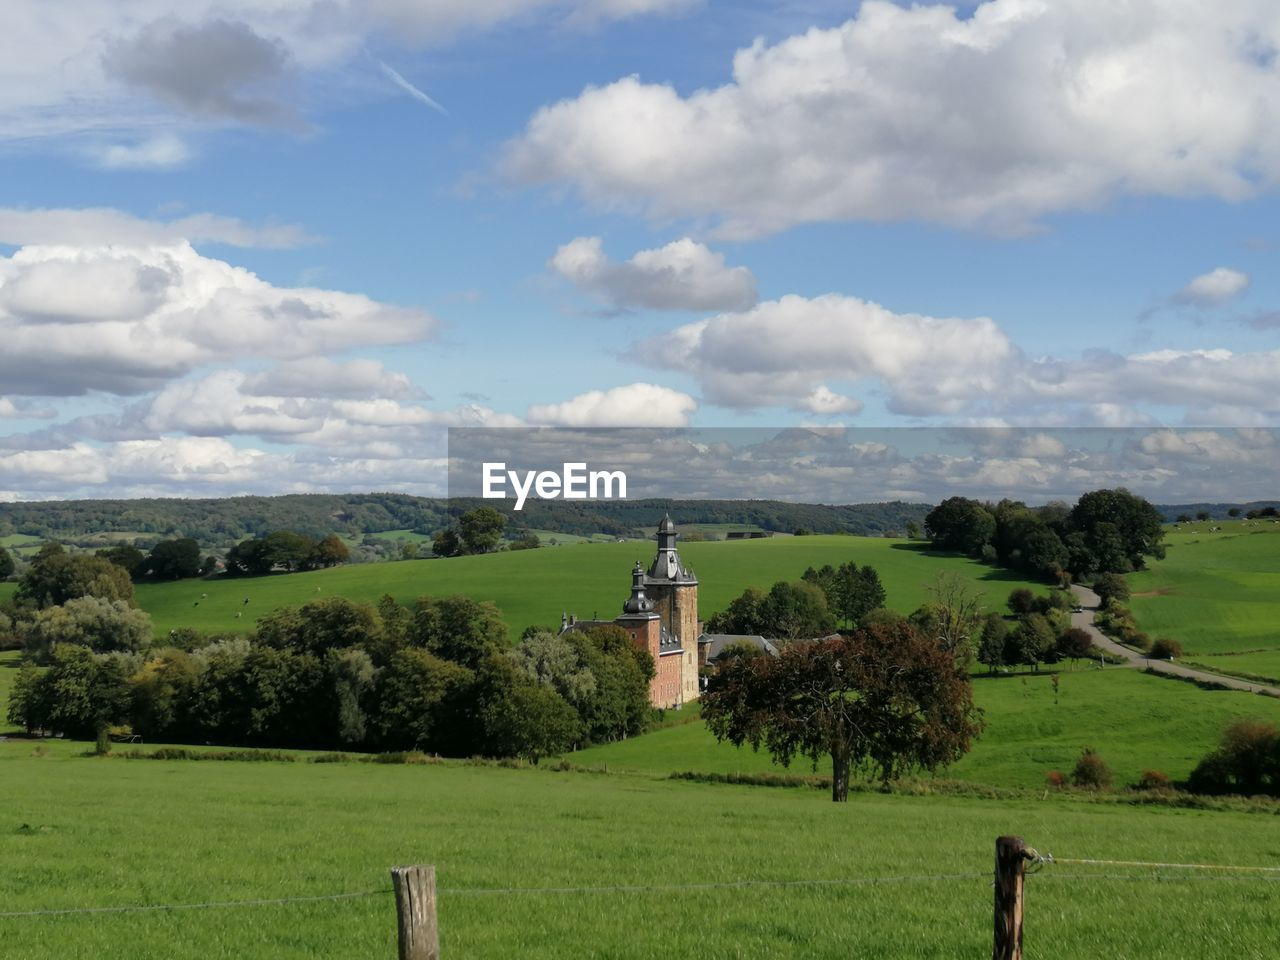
(127, 320)
(91, 226)
(909, 112)
(156, 153)
(784, 353)
(1214, 288)
(634, 405)
(205, 467)
(683, 275)
(204, 69)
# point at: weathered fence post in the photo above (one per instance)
(1011, 860)
(416, 910)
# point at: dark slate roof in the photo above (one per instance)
(716, 643)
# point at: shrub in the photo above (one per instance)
(1153, 780)
(1164, 649)
(1056, 779)
(1247, 761)
(1091, 771)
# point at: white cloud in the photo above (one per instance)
(103, 225)
(126, 320)
(156, 153)
(823, 400)
(634, 405)
(784, 352)
(113, 69)
(1214, 288)
(1022, 109)
(683, 275)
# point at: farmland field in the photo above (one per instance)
(1218, 594)
(85, 832)
(535, 586)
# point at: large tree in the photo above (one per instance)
(101, 625)
(884, 700)
(960, 524)
(481, 529)
(1118, 524)
(55, 577)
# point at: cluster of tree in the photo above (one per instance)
(852, 592)
(883, 700)
(7, 564)
(285, 550)
(1107, 531)
(337, 674)
(178, 559)
(1039, 632)
(791, 610)
(477, 531)
(55, 576)
(1247, 761)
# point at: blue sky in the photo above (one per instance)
(237, 254)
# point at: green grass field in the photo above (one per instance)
(1135, 722)
(84, 832)
(535, 586)
(1218, 594)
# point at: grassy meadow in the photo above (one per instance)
(90, 832)
(1135, 721)
(1218, 593)
(535, 586)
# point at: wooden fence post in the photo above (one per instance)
(416, 910)
(1011, 860)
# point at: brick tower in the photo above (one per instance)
(674, 591)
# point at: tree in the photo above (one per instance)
(55, 577)
(330, 623)
(526, 541)
(80, 693)
(481, 529)
(1022, 601)
(418, 700)
(991, 643)
(1233, 512)
(351, 674)
(884, 699)
(101, 625)
(960, 524)
(329, 552)
(173, 560)
(953, 613)
(795, 610)
(1202, 514)
(447, 543)
(1136, 526)
(457, 628)
(1036, 641)
(852, 592)
(27, 708)
(554, 661)
(1075, 643)
(619, 706)
(528, 720)
(1247, 761)
(1111, 586)
(7, 565)
(124, 555)
(741, 617)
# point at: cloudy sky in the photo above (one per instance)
(281, 245)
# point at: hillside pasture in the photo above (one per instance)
(538, 864)
(1218, 594)
(588, 580)
(1135, 721)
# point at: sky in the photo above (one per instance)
(272, 246)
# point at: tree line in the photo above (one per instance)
(436, 676)
(1106, 531)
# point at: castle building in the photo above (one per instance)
(662, 617)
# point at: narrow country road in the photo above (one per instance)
(1089, 600)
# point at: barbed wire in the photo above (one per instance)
(500, 891)
(1038, 860)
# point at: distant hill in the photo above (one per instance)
(218, 523)
(1216, 511)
